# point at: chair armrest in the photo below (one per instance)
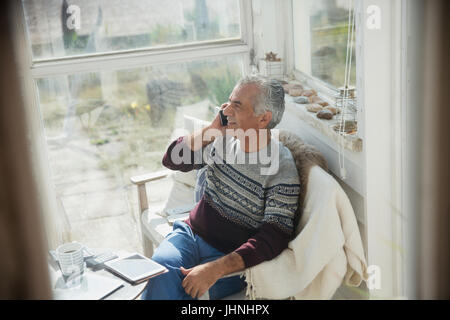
(144, 178)
(140, 182)
(238, 273)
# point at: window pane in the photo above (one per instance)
(320, 40)
(103, 128)
(65, 28)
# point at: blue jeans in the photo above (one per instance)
(183, 248)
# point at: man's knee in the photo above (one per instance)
(167, 258)
(160, 258)
(176, 251)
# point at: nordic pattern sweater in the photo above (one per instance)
(243, 209)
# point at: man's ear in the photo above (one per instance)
(265, 119)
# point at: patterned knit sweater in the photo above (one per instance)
(245, 208)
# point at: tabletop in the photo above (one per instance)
(126, 292)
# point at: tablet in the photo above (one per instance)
(135, 268)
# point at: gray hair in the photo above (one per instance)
(271, 97)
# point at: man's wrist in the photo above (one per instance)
(230, 263)
(216, 268)
(213, 268)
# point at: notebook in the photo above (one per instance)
(91, 287)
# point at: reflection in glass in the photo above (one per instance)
(321, 28)
(115, 25)
(102, 128)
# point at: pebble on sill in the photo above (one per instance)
(314, 107)
(302, 100)
(292, 86)
(316, 99)
(325, 114)
(333, 109)
(309, 93)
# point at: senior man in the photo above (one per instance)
(246, 214)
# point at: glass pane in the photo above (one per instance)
(321, 33)
(65, 28)
(103, 128)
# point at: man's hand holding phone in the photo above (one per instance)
(208, 134)
(223, 118)
(220, 122)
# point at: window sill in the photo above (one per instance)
(321, 135)
(325, 127)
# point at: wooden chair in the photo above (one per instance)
(155, 227)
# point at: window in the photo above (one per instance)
(320, 40)
(109, 103)
(67, 28)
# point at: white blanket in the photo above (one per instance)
(327, 250)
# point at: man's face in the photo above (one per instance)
(240, 111)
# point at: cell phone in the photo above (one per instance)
(223, 118)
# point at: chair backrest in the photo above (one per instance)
(183, 191)
(305, 156)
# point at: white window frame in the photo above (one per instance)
(108, 61)
(143, 57)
